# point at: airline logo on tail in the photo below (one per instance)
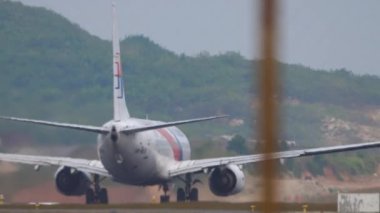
(120, 83)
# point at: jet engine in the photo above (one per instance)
(72, 182)
(227, 180)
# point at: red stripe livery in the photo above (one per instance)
(172, 141)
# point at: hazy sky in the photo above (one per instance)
(328, 34)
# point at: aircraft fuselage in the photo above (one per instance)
(142, 158)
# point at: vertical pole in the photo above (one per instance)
(1, 199)
(268, 104)
(304, 208)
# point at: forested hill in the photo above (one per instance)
(52, 69)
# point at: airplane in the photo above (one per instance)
(144, 152)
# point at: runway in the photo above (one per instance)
(201, 207)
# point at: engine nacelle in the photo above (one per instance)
(72, 182)
(228, 180)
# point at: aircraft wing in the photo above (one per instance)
(194, 166)
(90, 166)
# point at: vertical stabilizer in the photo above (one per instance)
(120, 111)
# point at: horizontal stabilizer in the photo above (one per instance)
(62, 125)
(168, 124)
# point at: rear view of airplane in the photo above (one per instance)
(145, 152)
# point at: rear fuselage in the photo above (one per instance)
(141, 158)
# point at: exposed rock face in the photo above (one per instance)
(337, 130)
(8, 168)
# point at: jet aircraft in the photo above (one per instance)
(144, 152)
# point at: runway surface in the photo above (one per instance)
(199, 207)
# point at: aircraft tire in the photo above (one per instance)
(90, 196)
(181, 196)
(103, 196)
(194, 194)
(164, 198)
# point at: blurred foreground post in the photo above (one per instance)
(304, 207)
(268, 111)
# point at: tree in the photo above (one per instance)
(238, 145)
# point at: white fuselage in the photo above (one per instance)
(142, 158)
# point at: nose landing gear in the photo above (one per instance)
(165, 198)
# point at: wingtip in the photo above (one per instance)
(222, 116)
(5, 117)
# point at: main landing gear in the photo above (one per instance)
(189, 193)
(96, 195)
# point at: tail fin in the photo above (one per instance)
(120, 110)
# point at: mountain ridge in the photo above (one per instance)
(52, 69)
